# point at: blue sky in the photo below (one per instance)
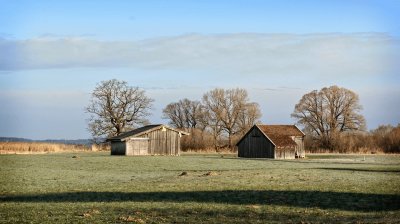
(53, 53)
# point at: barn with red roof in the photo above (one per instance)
(272, 141)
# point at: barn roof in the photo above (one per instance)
(279, 135)
(143, 130)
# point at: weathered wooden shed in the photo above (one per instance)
(148, 140)
(272, 141)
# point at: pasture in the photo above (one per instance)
(97, 188)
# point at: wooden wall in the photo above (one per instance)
(300, 146)
(161, 142)
(158, 142)
(137, 146)
(118, 148)
(285, 153)
(256, 145)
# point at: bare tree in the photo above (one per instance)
(250, 116)
(328, 112)
(189, 115)
(174, 112)
(185, 114)
(228, 111)
(116, 107)
(220, 112)
(212, 101)
(387, 138)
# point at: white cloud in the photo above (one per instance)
(264, 54)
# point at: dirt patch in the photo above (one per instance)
(211, 173)
(86, 215)
(130, 219)
(253, 206)
(90, 213)
(184, 173)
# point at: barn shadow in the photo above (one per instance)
(303, 199)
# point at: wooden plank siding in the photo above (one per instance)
(137, 146)
(255, 145)
(118, 148)
(300, 146)
(285, 153)
(272, 141)
(161, 142)
(148, 140)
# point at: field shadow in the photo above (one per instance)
(304, 199)
(358, 170)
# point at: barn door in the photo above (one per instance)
(138, 146)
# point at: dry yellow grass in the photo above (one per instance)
(363, 150)
(101, 147)
(38, 147)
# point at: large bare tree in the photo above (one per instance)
(230, 111)
(212, 101)
(174, 112)
(191, 116)
(249, 116)
(328, 112)
(116, 107)
(185, 114)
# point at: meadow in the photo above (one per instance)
(94, 187)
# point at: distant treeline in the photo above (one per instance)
(385, 138)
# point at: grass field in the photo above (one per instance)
(98, 188)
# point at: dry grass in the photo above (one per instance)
(101, 147)
(362, 150)
(206, 150)
(38, 147)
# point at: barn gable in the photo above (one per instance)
(255, 144)
(280, 141)
(148, 140)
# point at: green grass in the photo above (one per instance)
(98, 188)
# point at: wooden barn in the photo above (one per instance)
(148, 140)
(272, 141)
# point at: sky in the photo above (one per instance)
(54, 53)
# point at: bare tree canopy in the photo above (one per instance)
(249, 117)
(221, 112)
(116, 107)
(229, 111)
(185, 114)
(387, 137)
(328, 112)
